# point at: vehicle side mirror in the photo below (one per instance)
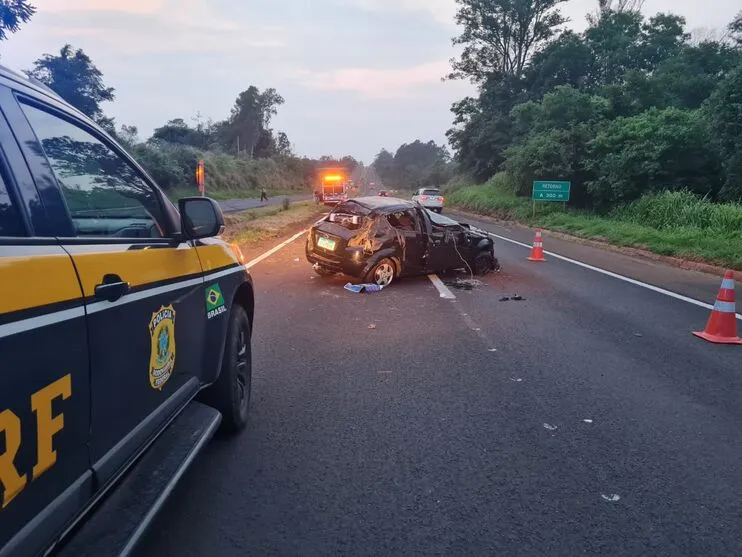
(200, 217)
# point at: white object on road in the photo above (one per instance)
(550, 427)
(613, 497)
(442, 288)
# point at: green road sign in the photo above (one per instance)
(551, 190)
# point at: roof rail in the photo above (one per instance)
(24, 76)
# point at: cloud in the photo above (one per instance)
(371, 83)
(127, 6)
(443, 11)
(151, 27)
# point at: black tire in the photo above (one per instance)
(323, 271)
(231, 392)
(484, 263)
(383, 273)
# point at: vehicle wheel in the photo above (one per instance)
(383, 273)
(323, 271)
(231, 392)
(484, 263)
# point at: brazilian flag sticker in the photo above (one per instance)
(214, 301)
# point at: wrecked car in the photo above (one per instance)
(377, 239)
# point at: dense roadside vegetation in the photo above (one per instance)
(642, 117)
(674, 223)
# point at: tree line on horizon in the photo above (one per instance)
(630, 106)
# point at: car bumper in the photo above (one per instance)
(349, 263)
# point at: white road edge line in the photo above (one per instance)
(273, 250)
(616, 276)
(442, 288)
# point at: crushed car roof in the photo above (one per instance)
(380, 202)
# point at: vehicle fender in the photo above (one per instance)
(485, 244)
(391, 252)
(237, 289)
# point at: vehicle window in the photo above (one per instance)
(402, 220)
(104, 193)
(440, 219)
(430, 192)
(10, 219)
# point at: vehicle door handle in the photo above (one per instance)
(112, 288)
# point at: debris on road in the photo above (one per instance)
(515, 298)
(372, 326)
(360, 288)
(613, 497)
(463, 284)
(550, 427)
(518, 380)
(587, 421)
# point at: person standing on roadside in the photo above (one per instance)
(263, 195)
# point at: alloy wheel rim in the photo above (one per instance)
(384, 274)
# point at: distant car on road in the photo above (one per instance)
(430, 198)
(383, 193)
(377, 239)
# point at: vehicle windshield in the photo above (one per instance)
(440, 220)
(430, 192)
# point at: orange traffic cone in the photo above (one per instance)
(722, 325)
(537, 252)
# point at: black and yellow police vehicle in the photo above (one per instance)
(125, 329)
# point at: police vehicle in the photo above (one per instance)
(125, 329)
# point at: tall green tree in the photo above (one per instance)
(250, 118)
(12, 14)
(735, 30)
(653, 151)
(725, 115)
(73, 76)
(499, 36)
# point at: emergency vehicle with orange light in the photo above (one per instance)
(333, 185)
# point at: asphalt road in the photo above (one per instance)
(234, 205)
(584, 419)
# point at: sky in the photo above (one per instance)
(357, 75)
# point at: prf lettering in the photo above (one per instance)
(47, 426)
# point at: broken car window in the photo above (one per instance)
(403, 220)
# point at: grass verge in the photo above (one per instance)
(255, 225)
(676, 224)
